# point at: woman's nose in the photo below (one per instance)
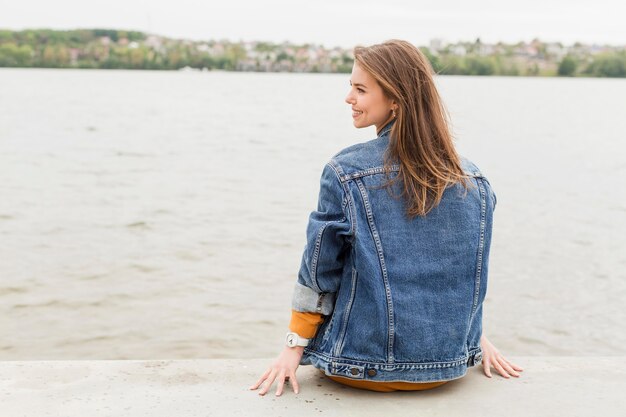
(350, 98)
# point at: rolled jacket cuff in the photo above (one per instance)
(306, 299)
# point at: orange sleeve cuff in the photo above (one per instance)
(305, 323)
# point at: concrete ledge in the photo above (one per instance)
(550, 386)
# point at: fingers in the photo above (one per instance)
(504, 367)
(268, 382)
(492, 357)
(499, 368)
(280, 383)
(256, 385)
(281, 377)
(487, 367)
(507, 366)
(516, 367)
(294, 382)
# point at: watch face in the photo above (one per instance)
(291, 340)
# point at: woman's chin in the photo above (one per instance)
(358, 124)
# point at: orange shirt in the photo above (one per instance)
(306, 324)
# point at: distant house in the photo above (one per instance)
(526, 50)
(556, 50)
(153, 42)
(459, 50)
(485, 49)
(436, 45)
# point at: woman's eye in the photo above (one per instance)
(360, 90)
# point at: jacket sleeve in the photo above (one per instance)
(328, 237)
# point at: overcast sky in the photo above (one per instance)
(334, 22)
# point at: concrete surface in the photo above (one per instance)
(549, 386)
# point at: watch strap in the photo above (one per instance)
(293, 339)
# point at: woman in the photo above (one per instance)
(390, 290)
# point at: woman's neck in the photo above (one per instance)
(378, 130)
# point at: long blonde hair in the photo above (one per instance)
(420, 139)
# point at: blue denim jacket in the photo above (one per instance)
(402, 298)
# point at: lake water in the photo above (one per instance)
(162, 214)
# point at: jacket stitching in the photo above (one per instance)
(347, 199)
(319, 237)
(381, 258)
(367, 172)
(343, 177)
(481, 244)
(316, 252)
(344, 324)
(394, 365)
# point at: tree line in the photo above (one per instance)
(120, 49)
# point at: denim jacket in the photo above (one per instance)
(402, 299)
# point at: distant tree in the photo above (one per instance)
(202, 60)
(511, 69)
(345, 64)
(434, 61)
(116, 58)
(264, 47)
(6, 36)
(608, 65)
(567, 66)
(78, 38)
(283, 55)
(452, 65)
(532, 70)
(137, 58)
(477, 65)
(111, 34)
(234, 53)
(134, 36)
(27, 36)
(175, 58)
(55, 56)
(12, 55)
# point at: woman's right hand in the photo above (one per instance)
(284, 368)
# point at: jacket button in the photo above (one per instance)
(371, 372)
(354, 371)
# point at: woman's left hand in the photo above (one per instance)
(492, 357)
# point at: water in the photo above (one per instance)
(162, 214)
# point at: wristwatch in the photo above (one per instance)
(294, 340)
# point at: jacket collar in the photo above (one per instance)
(386, 128)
